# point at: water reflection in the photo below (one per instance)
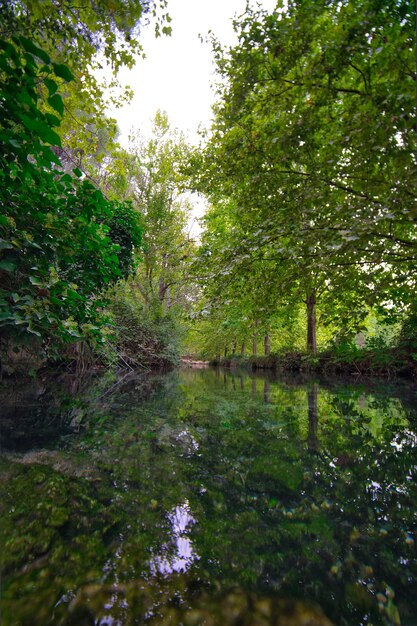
(203, 490)
(177, 555)
(313, 440)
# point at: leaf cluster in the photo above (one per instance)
(310, 166)
(61, 239)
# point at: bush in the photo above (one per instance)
(143, 334)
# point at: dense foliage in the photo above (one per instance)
(61, 240)
(149, 307)
(87, 37)
(310, 166)
(309, 170)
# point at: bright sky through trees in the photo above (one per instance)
(177, 73)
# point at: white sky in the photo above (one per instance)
(177, 74)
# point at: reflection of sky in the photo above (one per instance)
(375, 489)
(116, 599)
(107, 621)
(187, 437)
(407, 437)
(179, 555)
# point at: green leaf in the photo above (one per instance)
(44, 132)
(33, 332)
(49, 154)
(53, 120)
(50, 136)
(77, 172)
(66, 178)
(73, 295)
(25, 97)
(7, 266)
(29, 46)
(57, 103)
(51, 85)
(35, 281)
(5, 245)
(63, 72)
(8, 50)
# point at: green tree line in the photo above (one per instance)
(74, 204)
(310, 170)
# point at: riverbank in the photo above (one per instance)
(385, 363)
(389, 363)
(191, 362)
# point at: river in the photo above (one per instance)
(208, 497)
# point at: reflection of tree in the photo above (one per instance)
(336, 527)
(309, 521)
(312, 440)
(267, 391)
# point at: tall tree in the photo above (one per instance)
(314, 139)
(154, 182)
(150, 308)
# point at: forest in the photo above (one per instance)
(307, 253)
(211, 426)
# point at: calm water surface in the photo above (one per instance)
(206, 497)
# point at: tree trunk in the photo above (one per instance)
(311, 322)
(255, 338)
(242, 349)
(267, 345)
(234, 348)
(162, 285)
(225, 352)
(218, 357)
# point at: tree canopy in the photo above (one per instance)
(309, 169)
(60, 236)
(311, 162)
